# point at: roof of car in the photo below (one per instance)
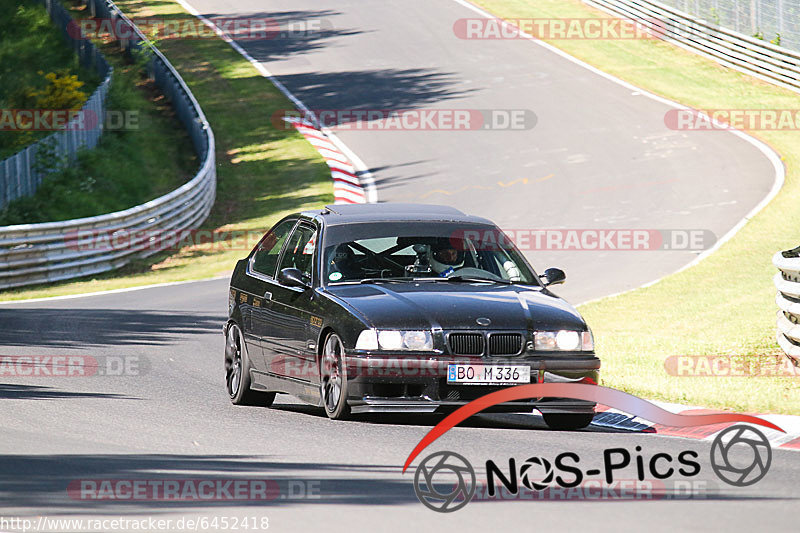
(393, 212)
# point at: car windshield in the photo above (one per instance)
(430, 252)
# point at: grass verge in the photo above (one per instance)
(263, 173)
(29, 44)
(725, 305)
(138, 158)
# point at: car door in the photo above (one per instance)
(261, 271)
(289, 344)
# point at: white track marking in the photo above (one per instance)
(114, 291)
(367, 181)
(771, 155)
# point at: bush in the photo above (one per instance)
(30, 45)
(62, 91)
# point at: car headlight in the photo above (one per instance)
(564, 340)
(394, 340)
(367, 340)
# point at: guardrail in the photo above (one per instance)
(41, 253)
(756, 57)
(771, 20)
(20, 174)
(787, 281)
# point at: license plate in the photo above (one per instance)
(488, 374)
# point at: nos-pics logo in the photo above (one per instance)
(456, 482)
(445, 481)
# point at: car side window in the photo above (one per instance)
(265, 258)
(300, 251)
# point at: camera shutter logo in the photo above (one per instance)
(741, 455)
(527, 476)
(445, 470)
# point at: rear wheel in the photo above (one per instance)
(237, 372)
(333, 379)
(567, 421)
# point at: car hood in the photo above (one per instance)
(457, 306)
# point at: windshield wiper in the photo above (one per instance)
(470, 279)
(377, 280)
(462, 279)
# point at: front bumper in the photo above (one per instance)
(403, 383)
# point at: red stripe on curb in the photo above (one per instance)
(354, 193)
(347, 173)
(699, 433)
(340, 179)
(792, 444)
(331, 162)
(346, 201)
(308, 135)
(613, 418)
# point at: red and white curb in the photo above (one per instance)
(615, 419)
(347, 187)
(360, 184)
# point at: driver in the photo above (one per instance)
(444, 258)
(343, 261)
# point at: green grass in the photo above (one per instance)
(30, 43)
(130, 165)
(725, 304)
(263, 173)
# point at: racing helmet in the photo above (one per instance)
(343, 260)
(444, 255)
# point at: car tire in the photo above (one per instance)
(333, 379)
(237, 372)
(567, 421)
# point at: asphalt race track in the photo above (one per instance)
(599, 157)
(166, 416)
(171, 419)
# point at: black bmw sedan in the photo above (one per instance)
(400, 307)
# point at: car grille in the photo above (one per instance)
(505, 343)
(466, 343)
(475, 343)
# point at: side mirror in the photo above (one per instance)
(292, 277)
(553, 276)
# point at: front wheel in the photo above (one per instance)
(333, 379)
(567, 421)
(237, 372)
